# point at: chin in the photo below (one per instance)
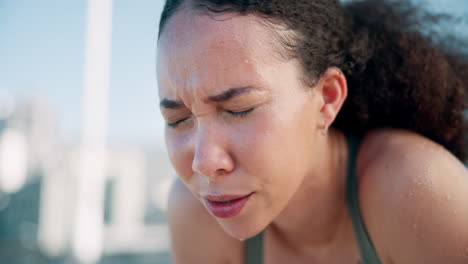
(242, 229)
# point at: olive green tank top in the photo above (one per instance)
(254, 245)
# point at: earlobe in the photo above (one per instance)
(324, 127)
(334, 91)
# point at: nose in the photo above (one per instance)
(211, 157)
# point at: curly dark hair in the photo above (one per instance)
(399, 73)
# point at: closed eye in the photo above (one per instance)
(175, 124)
(240, 114)
(233, 113)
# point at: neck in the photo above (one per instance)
(317, 214)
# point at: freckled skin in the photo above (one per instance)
(278, 152)
(253, 153)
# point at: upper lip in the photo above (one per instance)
(224, 197)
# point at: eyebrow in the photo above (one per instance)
(170, 104)
(222, 97)
(229, 94)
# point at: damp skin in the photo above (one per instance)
(266, 150)
(277, 153)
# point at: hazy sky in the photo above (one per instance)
(41, 53)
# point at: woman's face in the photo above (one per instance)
(241, 125)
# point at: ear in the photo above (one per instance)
(333, 91)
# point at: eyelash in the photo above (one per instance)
(236, 114)
(240, 114)
(175, 124)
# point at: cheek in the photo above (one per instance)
(270, 143)
(277, 153)
(178, 148)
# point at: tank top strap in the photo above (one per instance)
(254, 249)
(254, 246)
(368, 253)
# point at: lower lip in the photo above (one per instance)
(226, 210)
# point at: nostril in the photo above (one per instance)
(221, 172)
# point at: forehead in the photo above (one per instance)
(197, 49)
(191, 32)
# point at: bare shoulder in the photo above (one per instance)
(196, 237)
(413, 195)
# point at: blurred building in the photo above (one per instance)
(38, 193)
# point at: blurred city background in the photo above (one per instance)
(84, 175)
